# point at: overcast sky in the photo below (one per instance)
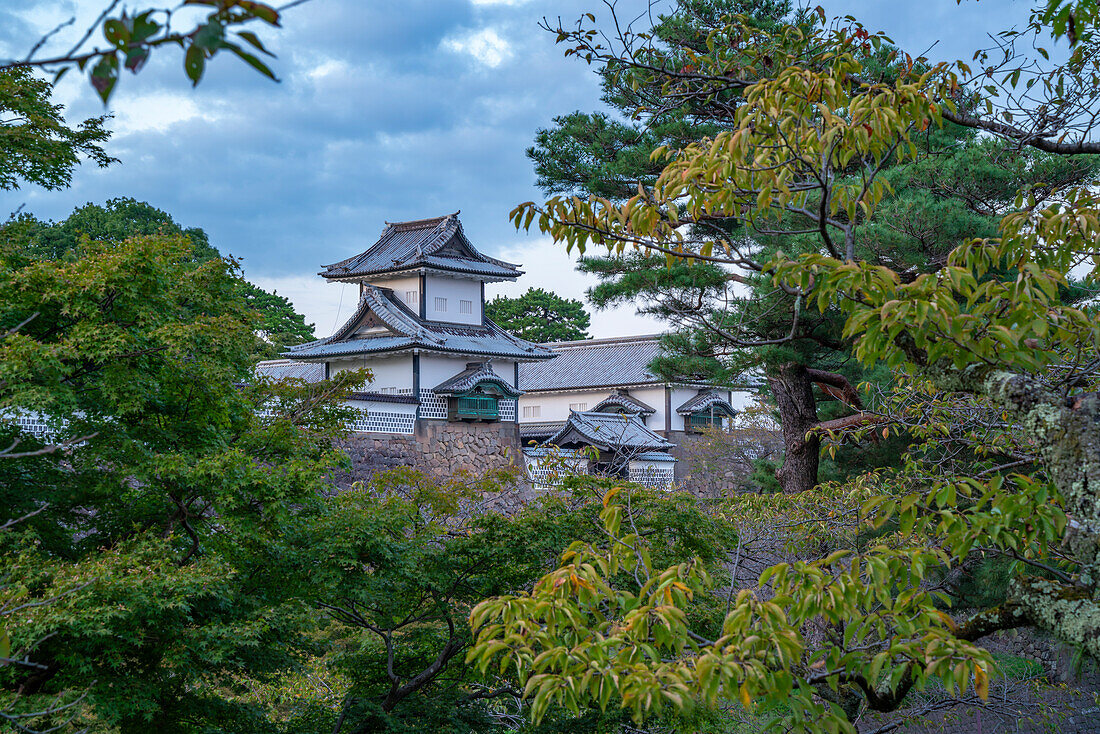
(385, 111)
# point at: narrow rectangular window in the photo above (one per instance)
(441, 305)
(412, 299)
(578, 406)
(532, 411)
(465, 306)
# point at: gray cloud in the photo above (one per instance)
(381, 115)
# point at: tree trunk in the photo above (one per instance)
(792, 387)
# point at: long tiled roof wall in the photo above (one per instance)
(539, 431)
(594, 363)
(384, 397)
(285, 369)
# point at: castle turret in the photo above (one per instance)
(419, 322)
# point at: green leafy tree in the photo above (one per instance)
(276, 322)
(995, 328)
(540, 316)
(38, 146)
(152, 512)
(399, 636)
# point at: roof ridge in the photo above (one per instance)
(427, 223)
(604, 341)
(595, 427)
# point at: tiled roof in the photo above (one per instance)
(436, 243)
(539, 431)
(705, 401)
(474, 375)
(384, 397)
(653, 456)
(609, 431)
(408, 331)
(620, 399)
(594, 363)
(285, 369)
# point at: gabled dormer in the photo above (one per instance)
(706, 410)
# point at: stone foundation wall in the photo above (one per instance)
(1059, 661)
(702, 470)
(442, 448)
(472, 448)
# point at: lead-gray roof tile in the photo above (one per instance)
(409, 331)
(623, 400)
(615, 431)
(704, 401)
(469, 378)
(603, 363)
(438, 242)
(285, 369)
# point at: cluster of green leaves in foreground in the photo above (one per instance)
(400, 633)
(575, 640)
(132, 36)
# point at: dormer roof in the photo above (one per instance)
(474, 375)
(623, 401)
(706, 400)
(382, 323)
(608, 432)
(437, 244)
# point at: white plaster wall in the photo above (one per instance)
(505, 368)
(435, 368)
(555, 406)
(371, 405)
(454, 290)
(340, 365)
(402, 286)
(395, 372)
(654, 397)
(742, 399)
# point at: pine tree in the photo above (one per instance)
(540, 316)
(728, 321)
